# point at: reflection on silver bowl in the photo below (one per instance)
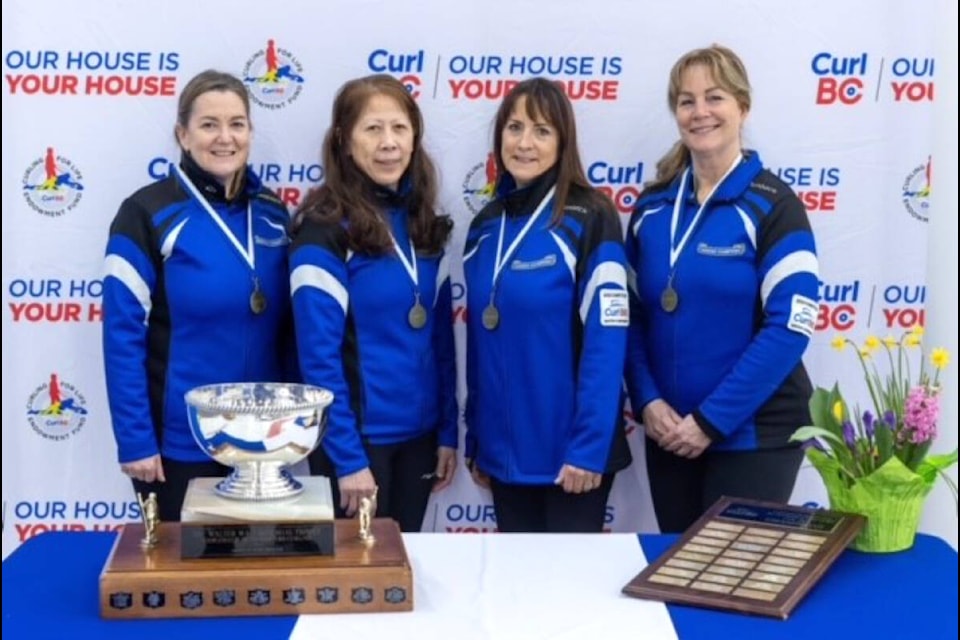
(258, 428)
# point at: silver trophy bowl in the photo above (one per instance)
(258, 428)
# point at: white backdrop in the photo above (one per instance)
(843, 110)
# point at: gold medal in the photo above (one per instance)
(258, 302)
(669, 299)
(490, 317)
(417, 316)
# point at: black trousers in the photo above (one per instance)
(404, 475)
(170, 494)
(548, 508)
(683, 489)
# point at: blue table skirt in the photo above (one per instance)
(50, 590)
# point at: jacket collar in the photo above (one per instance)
(522, 201)
(730, 189)
(387, 198)
(211, 188)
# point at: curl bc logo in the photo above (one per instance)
(56, 410)
(52, 185)
(273, 76)
(621, 183)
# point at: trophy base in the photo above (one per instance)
(158, 583)
(217, 527)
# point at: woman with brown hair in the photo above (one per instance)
(195, 292)
(725, 305)
(372, 306)
(547, 326)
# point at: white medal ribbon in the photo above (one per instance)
(501, 261)
(411, 268)
(247, 254)
(679, 202)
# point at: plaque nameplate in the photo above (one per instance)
(748, 556)
(230, 540)
(216, 527)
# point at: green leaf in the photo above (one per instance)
(939, 461)
(806, 433)
(916, 453)
(884, 439)
(821, 409)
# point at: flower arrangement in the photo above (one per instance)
(878, 461)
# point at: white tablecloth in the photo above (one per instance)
(511, 587)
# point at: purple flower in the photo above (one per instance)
(868, 423)
(849, 435)
(812, 443)
(890, 418)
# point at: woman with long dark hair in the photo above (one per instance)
(372, 306)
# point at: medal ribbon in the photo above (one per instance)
(502, 259)
(248, 253)
(675, 251)
(408, 265)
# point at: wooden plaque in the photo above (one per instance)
(748, 556)
(158, 583)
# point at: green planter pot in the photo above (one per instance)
(891, 498)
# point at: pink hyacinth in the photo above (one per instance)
(921, 413)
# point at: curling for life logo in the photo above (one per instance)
(916, 191)
(273, 76)
(52, 184)
(56, 410)
(479, 184)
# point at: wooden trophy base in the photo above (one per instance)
(158, 583)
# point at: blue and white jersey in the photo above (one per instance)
(544, 385)
(391, 381)
(746, 281)
(176, 306)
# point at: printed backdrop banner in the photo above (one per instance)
(842, 111)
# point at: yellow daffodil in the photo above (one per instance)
(917, 330)
(838, 411)
(838, 343)
(940, 358)
(890, 341)
(872, 343)
(912, 340)
(865, 353)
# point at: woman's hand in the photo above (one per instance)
(659, 419)
(687, 440)
(576, 480)
(354, 486)
(446, 465)
(480, 478)
(146, 469)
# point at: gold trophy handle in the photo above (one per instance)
(150, 513)
(368, 507)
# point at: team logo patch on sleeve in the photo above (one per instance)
(803, 315)
(614, 308)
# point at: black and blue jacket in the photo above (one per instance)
(544, 387)
(176, 306)
(746, 280)
(391, 382)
